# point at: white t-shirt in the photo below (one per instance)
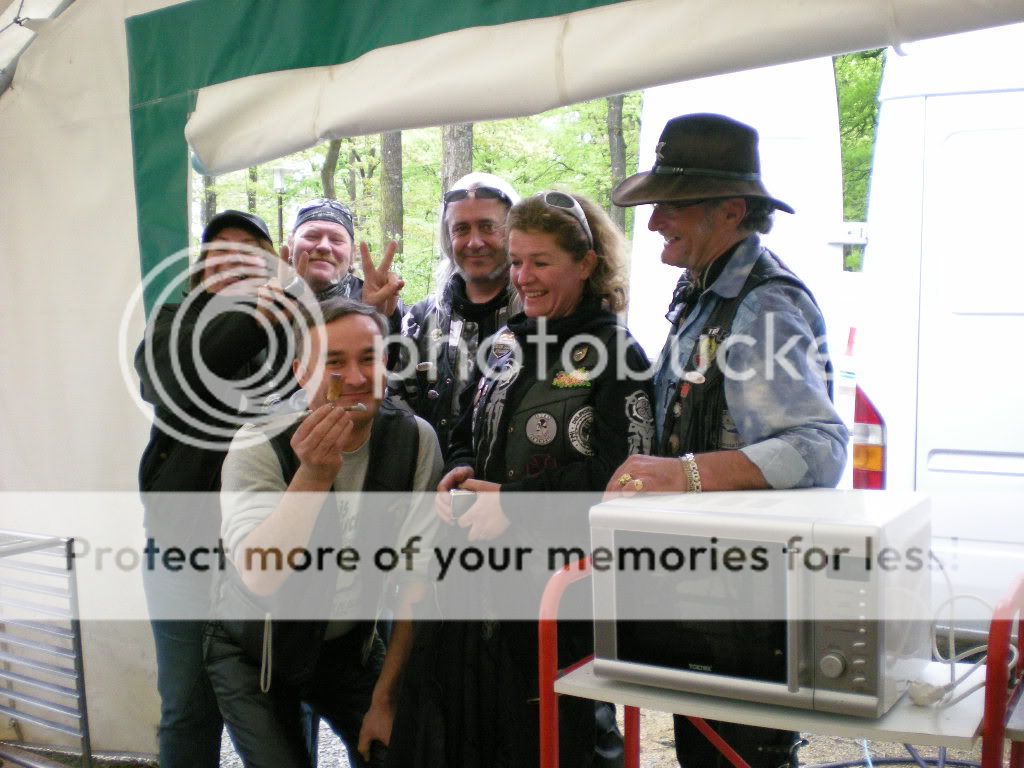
(252, 485)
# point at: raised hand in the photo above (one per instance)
(381, 286)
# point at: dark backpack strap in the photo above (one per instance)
(282, 445)
(394, 449)
(394, 435)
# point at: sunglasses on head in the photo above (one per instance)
(570, 205)
(478, 193)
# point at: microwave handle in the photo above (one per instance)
(794, 628)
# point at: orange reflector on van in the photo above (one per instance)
(868, 444)
(870, 457)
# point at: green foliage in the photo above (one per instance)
(858, 76)
(853, 257)
(565, 148)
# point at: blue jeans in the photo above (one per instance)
(190, 723)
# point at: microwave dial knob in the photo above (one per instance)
(832, 665)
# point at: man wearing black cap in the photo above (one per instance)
(194, 419)
(743, 384)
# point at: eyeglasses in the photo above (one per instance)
(570, 205)
(667, 207)
(478, 193)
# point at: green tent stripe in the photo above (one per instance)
(175, 51)
(161, 184)
(217, 40)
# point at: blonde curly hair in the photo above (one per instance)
(608, 281)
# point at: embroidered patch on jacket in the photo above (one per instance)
(580, 430)
(541, 428)
(572, 379)
(503, 344)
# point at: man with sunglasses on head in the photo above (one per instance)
(472, 301)
(743, 392)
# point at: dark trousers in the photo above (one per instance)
(760, 747)
(190, 724)
(267, 728)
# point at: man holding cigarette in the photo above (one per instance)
(306, 490)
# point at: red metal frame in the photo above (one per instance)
(547, 673)
(998, 698)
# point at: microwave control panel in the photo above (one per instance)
(846, 656)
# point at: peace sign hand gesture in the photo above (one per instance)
(381, 286)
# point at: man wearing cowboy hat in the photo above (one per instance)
(743, 384)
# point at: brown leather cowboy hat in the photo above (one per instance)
(700, 157)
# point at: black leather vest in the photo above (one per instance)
(435, 389)
(295, 644)
(697, 419)
(552, 422)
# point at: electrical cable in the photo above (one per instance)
(867, 754)
(916, 755)
(927, 694)
(880, 761)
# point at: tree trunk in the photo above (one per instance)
(350, 179)
(330, 168)
(617, 152)
(456, 153)
(209, 204)
(250, 188)
(391, 188)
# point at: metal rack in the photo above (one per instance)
(42, 681)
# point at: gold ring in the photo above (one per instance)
(638, 484)
(625, 478)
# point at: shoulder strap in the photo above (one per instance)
(394, 436)
(394, 448)
(282, 445)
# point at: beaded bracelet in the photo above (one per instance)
(692, 473)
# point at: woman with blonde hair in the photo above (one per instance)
(551, 419)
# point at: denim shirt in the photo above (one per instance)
(775, 383)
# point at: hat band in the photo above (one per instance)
(672, 170)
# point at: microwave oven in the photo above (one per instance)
(817, 598)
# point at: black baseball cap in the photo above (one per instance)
(250, 222)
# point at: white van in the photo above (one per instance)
(940, 341)
(939, 404)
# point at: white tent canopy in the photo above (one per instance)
(530, 66)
